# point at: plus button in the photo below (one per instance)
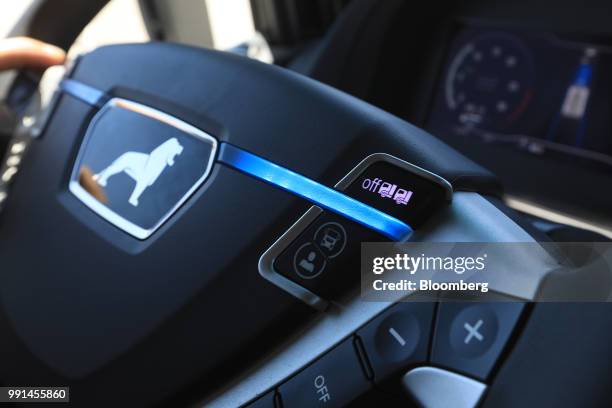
(472, 331)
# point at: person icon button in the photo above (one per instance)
(308, 261)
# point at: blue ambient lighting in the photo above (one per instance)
(314, 192)
(278, 176)
(82, 92)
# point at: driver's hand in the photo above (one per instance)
(22, 52)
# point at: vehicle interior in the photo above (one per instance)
(246, 135)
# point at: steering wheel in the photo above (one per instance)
(144, 238)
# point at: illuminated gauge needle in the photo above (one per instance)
(569, 124)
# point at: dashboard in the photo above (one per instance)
(534, 107)
(531, 91)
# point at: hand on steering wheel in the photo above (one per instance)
(23, 52)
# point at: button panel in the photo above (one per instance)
(318, 257)
(468, 339)
(312, 259)
(327, 252)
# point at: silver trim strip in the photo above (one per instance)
(436, 388)
(557, 217)
(266, 261)
(105, 212)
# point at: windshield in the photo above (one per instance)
(100, 31)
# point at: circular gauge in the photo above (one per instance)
(489, 82)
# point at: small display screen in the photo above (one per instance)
(537, 92)
(405, 195)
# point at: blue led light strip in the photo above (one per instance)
(82, 92)
(314, 192)
(278, 176)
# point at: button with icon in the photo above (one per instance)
(334, 380)
(398, 338)
(309, 261)
(470, 337)
(473, 331)
(331, 238)
(324, 258)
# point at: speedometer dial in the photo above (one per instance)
(488, 84)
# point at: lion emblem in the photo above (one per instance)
(144, 168)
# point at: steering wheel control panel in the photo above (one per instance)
(309, 260)
(452, 347)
